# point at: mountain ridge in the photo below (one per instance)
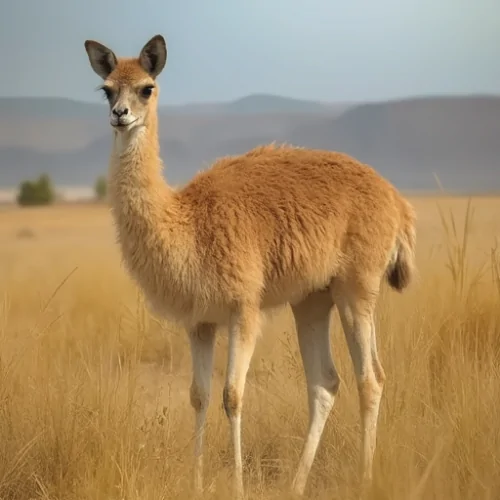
(405, 139)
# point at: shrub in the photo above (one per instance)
(39, 192)
(101, 188)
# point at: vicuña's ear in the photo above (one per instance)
(102, 59)
(153, 56)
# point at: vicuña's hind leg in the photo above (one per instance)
(312, 319)
(202, 348)
(377, 365)
(356, 305)
(243, 331)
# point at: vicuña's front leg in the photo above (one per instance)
(202, 348)
(243, 331)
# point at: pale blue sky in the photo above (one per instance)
(222, 49)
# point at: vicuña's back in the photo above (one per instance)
(282, 222)
(276, 225)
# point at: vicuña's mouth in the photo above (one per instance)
(123, 125)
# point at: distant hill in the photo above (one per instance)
(46, 107)
(51, 107)
(407, 140)
(261, 103)
(52, 124)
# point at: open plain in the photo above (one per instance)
(94, 389)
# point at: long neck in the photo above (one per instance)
(136, 184)
(153, 225)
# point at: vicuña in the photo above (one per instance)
(276, 225)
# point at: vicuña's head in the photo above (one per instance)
(129, 83)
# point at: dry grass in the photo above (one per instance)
(93, 391)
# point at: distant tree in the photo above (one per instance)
(27, 193)
(45, 190)
(39, 192)
(101, 188)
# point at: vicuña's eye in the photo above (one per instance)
(147, 91)
(107, 92)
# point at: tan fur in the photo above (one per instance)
(234, 234)
(276, 225)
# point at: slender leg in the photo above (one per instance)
(312, 320)
(202, 347)
(356, 313)
(243, 331)
(377, 366)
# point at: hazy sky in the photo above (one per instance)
(222, 49)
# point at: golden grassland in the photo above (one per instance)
(94, 391)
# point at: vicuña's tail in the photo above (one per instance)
(402, 268)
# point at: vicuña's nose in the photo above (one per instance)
(119, 112)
